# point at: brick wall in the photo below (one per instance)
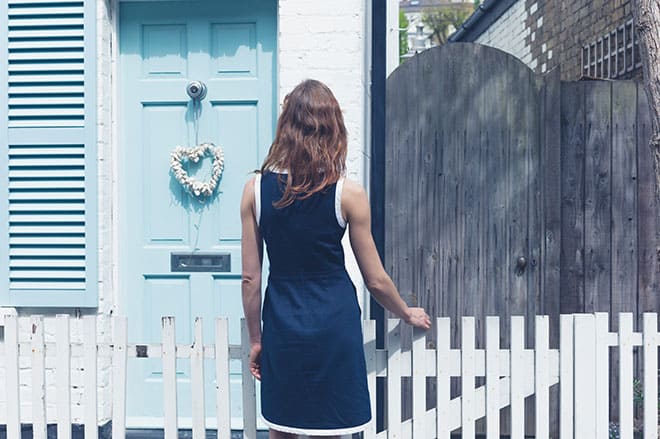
(554, 31)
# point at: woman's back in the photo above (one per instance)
(303, 238)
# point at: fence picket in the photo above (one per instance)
(650, 375)
(467, 376)
(369, 334)
(419, 382)
(197, 382)
(566, 323)
(63, 372)
(119, 357)
(249, 390)
(542, 377)
(12, 384)
(492, 377)
(585, 380)
(517, 367)
(626, 375)
(169, 378)
(90, 356)
(393, 345)
(602, 375)
(222, 378)
(443, 367)
(38, 378)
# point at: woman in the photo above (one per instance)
(310, 356)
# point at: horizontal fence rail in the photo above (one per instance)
(580, 366)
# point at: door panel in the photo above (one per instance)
(163, 46)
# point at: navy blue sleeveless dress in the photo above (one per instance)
(313, 374)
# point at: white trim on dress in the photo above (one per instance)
(338, 214)
(314, 431)
(257, 197)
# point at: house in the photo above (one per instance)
(97, 94)
(586, 38)
(420, 34)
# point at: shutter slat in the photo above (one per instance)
(49, 173)
(46, 207)
(37, 112)
(35, 160)
(14, 229)
(33, 101)
(45, 34)
(47, 22)
(46, 56)
(44, 186)
(43, 252)
(48, 218)
(47, 78)
(43, 11)
(42, 89)
(48, 44)
(46, 284)
(52, 196)
(45, 2)
(32, 123)
(48, 263)
(52, 274)
(47, 67)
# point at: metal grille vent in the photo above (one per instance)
(613, 55)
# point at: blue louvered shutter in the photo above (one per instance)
(48, 156)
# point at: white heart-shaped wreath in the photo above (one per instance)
(195, 154)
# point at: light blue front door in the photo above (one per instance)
(230, 46)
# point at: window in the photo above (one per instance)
(612, 55)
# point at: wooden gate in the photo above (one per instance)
(511, 193)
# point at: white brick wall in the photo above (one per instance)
(319, 40)
(508, 33)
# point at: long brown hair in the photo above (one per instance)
(310, 142)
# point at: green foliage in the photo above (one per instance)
(441, 19)
(403, 34)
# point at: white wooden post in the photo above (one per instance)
(602, 374)
(492, 377)
(585, 376)
(393, 345)
(542, 377)
(197, 382)
(443, 368)
(63, 372)
(517, 377)
(249, 391)
(626, 375)
(12, 383)
(650, 375)
(467, 376)
(119, 357)
(222, 378)
(169, 378)
(38, 378)
(566, 365)
(369, 334)
(90, 360)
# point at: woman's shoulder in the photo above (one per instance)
(352, 189)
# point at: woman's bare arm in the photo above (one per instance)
(356, 210)
(251, 255)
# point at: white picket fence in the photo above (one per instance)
(580, 366)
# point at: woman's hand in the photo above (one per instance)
(255, 360)
(417, 317)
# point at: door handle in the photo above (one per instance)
(521, 263)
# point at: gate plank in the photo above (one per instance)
(597, 196)
(197, 381)
(626, 375)
(572, 205)
(492, 377)
(222, 378)
(393, 345)
(12, 383)
(650, 375)
(119, 357)
(91, 389)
